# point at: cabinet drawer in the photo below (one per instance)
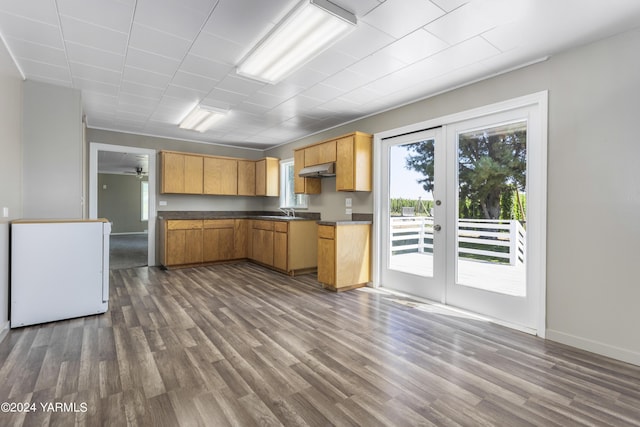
(184, 224)
(280, 226)
(263, 225)
(326, 232)
(218, 223)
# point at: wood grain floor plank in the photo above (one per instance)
(240, 345)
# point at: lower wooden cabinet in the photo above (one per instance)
(182, 242)
(218, 240)
(344, 256)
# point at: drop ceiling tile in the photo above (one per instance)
(148, 61)
(361, 96)
(246, 21)
(219, 96)
(214, 48)
(377, 65)
(106, 13)
(203, 67)
(37, 10)
(358, 7)
(50, 55)
(346, 80)
(449, 5)
(239, 84)
(89, 72)
(171, 16)
(158, 42)
(97, 37)
(145, 77)
(363, 41)
(18, 27)
(323, 92)
(87, 55)
(415, 46)
(95, 86)
(142, 90)
(193, 81)
(146, 104)
(401, 17)
(330, 62)
(464, 23)
(38, 68)
(191, 96)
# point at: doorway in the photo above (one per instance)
(130, 184)
(462, 218)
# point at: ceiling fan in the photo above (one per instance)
(139, 172)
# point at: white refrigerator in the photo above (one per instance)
(59, 270)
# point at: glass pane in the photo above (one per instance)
(411, 181)
(492, 199)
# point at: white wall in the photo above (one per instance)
(52, 149)
(10, 168)
(593, 233)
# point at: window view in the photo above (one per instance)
(492, 200)
(288, 199)
(144, 200)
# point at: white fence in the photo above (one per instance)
(475, 237)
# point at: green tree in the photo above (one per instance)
(491, 164)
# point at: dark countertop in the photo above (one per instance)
(344, 222)
(265, 215)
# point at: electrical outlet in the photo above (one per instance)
(348, 201)
(348, 211)
(162, 203)
(5, 212)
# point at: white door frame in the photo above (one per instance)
(536, 242)
(94, 148)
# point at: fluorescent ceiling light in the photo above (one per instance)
(307, 31)
(201, 118)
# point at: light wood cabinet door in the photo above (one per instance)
(246, 178)
(280, 250)
(241, 238)
(303, 185)
(326, 261)
(183, 242)
(354, 163)
(262, 246)
(320, 153)
(268, 177)
(181, 173)
(220, 176)
(218, 240)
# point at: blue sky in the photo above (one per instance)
(403, 182)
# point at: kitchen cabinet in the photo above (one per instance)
(218, 240)
(320, 153)
(262, 242)
(354, 163)
(181, 173)
(241, 238)
(220, 176)
(182, 242)
(247, 178)
(303, 185)
(344, 255)
(284, 245)
(267, 177)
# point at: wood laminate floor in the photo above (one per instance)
(240, 345)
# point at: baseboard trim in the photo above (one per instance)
(130, 233)
(618, 353)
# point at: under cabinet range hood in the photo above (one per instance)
(318, 171)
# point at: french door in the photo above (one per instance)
(464, 214)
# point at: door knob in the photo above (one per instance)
(437, 227)
(438, 202)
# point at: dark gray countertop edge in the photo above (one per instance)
(314, 216)
(345, 222)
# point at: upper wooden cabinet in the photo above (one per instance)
(352, 154)
(181, 173)
(320, 153)
(354, 163)
(220, 176)
(267, 179)
(247, 178)
(303, 185)
(188, 173)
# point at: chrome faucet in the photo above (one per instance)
(288, 212)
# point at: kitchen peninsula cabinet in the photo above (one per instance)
(344, 255)
(284, 245)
